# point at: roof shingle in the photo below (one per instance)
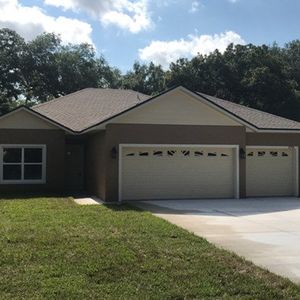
(83, 109)
(255, 117)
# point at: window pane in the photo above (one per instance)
(12, 155)
(33, 155)
(12, 172)
(32, 172)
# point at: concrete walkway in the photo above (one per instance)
(264, 231)
(88, 201)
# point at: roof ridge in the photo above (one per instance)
(250, 108)
(60, 98)
(89, 88)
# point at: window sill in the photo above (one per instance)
(24, 182)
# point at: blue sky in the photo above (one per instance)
(152, 30)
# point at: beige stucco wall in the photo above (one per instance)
(24, 120)
(176, 108)
(273, 139)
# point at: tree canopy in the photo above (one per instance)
(44, 68)
(263, 77)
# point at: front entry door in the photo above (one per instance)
(74, 167)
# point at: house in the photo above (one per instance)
(123, 145)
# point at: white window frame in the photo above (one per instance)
(22, 180)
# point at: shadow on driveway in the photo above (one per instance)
(230, 207)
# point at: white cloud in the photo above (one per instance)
(126, 14)
(29, 21)
(65, 4)
(165, 52)
(195, 6)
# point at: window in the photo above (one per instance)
(171, 152)
(130, 154)
(157, 153)
(185, 152)
(261, 153)
(22, 164)
(143, 153)
(212, 154)
(198, 153)
(274, 153)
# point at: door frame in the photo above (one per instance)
(296, 162)
(236, 160)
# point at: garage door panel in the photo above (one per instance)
(187, 174)
(270, 172)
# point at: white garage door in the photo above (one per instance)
(271, 172)
(177, 173)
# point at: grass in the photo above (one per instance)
(52, 248)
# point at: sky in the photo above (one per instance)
(155, 30)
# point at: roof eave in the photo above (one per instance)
(278, 130)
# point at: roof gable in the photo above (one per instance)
(176, 108)
(22, 118)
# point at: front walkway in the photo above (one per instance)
(88, 200)
(264, 231)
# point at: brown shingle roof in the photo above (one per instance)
(86, 108)
(254, 117)
(83, 109)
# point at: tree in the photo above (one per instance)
(78, 68)
(40, 69)
(55, 70)
(291, 55)
(11, 82)
(147, 79)
(44, 68)
(256, 76)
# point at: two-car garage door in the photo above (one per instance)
(178, 172)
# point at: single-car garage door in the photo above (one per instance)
(178, 172)
(271, 171)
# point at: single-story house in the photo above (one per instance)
(122, 145)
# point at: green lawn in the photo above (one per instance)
(52, 248)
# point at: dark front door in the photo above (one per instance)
(74, 167)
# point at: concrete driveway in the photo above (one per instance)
(264, 231)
